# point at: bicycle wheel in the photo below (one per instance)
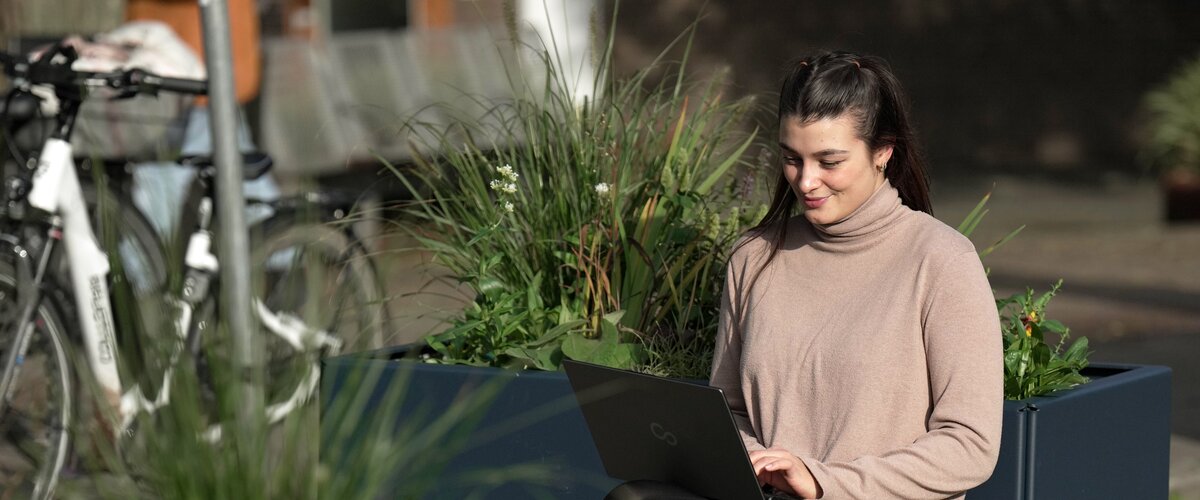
(35, 424)
(316, 271)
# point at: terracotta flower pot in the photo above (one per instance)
(1181, 193)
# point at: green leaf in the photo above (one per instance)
(483, 234)
(557, 331)
(1055, 326)
(1012, 362)
(578, 347)
(721, 169)
(967, 226)
(614, 318)
(1041, 354)
(547, 358)
(490, 288)
(987, 251)
(668, 175)
(1040, 303)
(533, 297)
(603, 351)
(1078, 350)
(436, 344)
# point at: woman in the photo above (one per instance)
(859, 342)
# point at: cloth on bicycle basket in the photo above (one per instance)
(140, 128)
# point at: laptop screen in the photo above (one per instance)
(648, 427)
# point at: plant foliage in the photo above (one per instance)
(1031, 366)
(587, 228)
(1174, 139)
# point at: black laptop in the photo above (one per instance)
(664, 430)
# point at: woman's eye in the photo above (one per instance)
(830, 164)
(792, 160)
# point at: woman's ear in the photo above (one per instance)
(882, 155)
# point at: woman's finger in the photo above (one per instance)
(779, 465)
(762, 460)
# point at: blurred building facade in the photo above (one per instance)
(1039, 87)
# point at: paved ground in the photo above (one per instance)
(1131, 282)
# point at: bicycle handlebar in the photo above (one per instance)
(128, 82)
(147, 82)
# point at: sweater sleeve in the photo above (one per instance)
(963, 352)
(727, 360)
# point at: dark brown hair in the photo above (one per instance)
(831, 85)
(828, 86)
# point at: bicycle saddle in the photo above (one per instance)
(256, 163)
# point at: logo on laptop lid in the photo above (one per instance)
(662, 435)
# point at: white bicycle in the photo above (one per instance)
(47, 204)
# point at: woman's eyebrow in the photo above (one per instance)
(830, 152)
(821, 153)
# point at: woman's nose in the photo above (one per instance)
(808, 180)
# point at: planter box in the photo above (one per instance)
(1109, 438)
(533, 420)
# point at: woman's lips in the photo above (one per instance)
(814, 203)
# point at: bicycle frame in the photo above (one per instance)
(56, 190)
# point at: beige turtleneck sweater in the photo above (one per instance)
(870, 348)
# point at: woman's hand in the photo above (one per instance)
(781, 469)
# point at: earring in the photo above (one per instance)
(880, 167)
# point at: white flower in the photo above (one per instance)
(508, 207)
(507, 172)
(601, 188)
(503, 187)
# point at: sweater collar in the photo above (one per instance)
(880, 211)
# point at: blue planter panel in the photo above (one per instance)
(534, 420)
(1109, 438)
(1007, 479)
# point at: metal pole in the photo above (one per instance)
(233, 237)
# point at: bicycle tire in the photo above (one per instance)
(286, 254)
(314, 268)
(36, 425)
(289, 251)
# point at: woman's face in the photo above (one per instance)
(830, 169)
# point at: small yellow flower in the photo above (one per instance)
(1028, 330)
(1033, 316)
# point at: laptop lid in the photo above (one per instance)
(648, 427)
